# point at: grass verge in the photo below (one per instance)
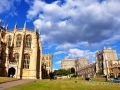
(7, 79)
(67, 84)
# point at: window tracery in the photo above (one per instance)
(28, 42)
(18, 41)
(26, 61)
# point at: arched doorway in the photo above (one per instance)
(11, 72)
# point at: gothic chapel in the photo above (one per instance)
(20, 53)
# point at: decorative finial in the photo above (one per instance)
(25, 24)
(104, 47)
(15, 26)
(35, 29)
(109, 47)
(6, 27)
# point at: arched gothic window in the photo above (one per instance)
(9, 39)
(18, 41)
(28, 42)
(16, 57)
(26, 61)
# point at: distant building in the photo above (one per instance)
(46, 65)
(67, 63)
(107, 62)
(87, 71)
(80, 62)
(77, 64)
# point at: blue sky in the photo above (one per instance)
(69, 28)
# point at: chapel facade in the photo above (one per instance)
(46, 64)
(20, 53)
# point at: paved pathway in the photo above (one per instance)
(15, 83)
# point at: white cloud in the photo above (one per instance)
(77, 21)
(9, 5)
(76, 53)
(59, 52)
(58, 62)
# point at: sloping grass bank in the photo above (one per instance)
(67, 84)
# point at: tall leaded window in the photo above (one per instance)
(28, 42)
(9, 39)
(18, 41)
(26, 61)
(16, 57)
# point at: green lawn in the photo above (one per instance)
(67, 85)
(6, 79)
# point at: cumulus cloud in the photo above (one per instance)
(59, 52)
(77, 21)
(58, 62)
(76, 53)
(73, 23)
(7, 5)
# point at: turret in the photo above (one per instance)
(24, 28)
(104, 48)
(15, 27)
(6, 27)
(35, 29)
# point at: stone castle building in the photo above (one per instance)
(83, 68)
(21, 53)
(67, 63)
(77, 64)
(46, 65)
(87, 71)
(80, 62)
(107, 62)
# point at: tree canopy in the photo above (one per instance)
(64, 72)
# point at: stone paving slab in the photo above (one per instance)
(15, 83)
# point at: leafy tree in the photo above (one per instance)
(72, 70)
(62, 72)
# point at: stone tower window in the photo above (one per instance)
(9, 39)
(18, 41)
(26, 61)
(49, 64)
(28, 41)
(16, 57)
